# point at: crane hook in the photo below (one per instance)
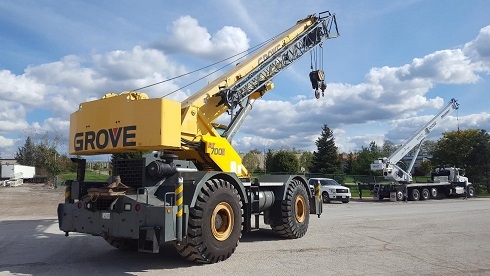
(317, 79)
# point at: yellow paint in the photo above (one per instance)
(179, 201)
(179, 189)
(157, 124)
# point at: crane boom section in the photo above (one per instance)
(264, 64)
(418, 136)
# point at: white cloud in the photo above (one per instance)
(12, 117)
(5, 143)
(21, 89)
(479, 49)
(187, 36)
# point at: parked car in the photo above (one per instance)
(331, 190)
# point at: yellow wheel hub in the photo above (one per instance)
(300, 209)
(222, 221)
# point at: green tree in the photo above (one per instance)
(40, 151)
(426, 167)
(306, 160)
(26, 154)
(388, 148)
(428, 147)
(478, 163)
(285, 161)
(96, 166)
(347, 167)
(269, 159)
(251, 161)
(453, 149)
(362, 164)
(128, 155)
(326, 158)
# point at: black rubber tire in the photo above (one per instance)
(325, 197)
(218, 200)
(470, 191)
(434, 193)
(425, 194)
(122, 243)
(292, 217)
(399, 196)
(414, 194)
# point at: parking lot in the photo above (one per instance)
(435, 237)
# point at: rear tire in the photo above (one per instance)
(292, 221)
(215, 224)
(122, 243)
(414, 194)
(425, 194)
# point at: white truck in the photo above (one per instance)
(12, 170)
(331, 190)
(447, 181)
(14, 174)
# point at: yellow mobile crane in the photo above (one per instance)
(195, 193)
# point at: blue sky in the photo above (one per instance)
(395, 64)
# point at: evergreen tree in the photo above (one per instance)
(26, 155)
(269, 156)
(348, 163)
(326, 158)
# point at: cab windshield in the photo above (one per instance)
(329, 182)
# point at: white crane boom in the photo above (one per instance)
(389, 165)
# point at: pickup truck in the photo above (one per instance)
(331, 190)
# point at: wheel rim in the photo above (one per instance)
(399, 195)
(471, 192)
(222, 221)
(433, 192)
(300, 209)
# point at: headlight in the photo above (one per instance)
(332, 191)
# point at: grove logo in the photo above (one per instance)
(103, 138)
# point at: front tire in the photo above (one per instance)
(326, 198)
(433, 193)
(471, 191)
(215, 224)
(292, 221)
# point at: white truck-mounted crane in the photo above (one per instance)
(444, 180)
(195, 193)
